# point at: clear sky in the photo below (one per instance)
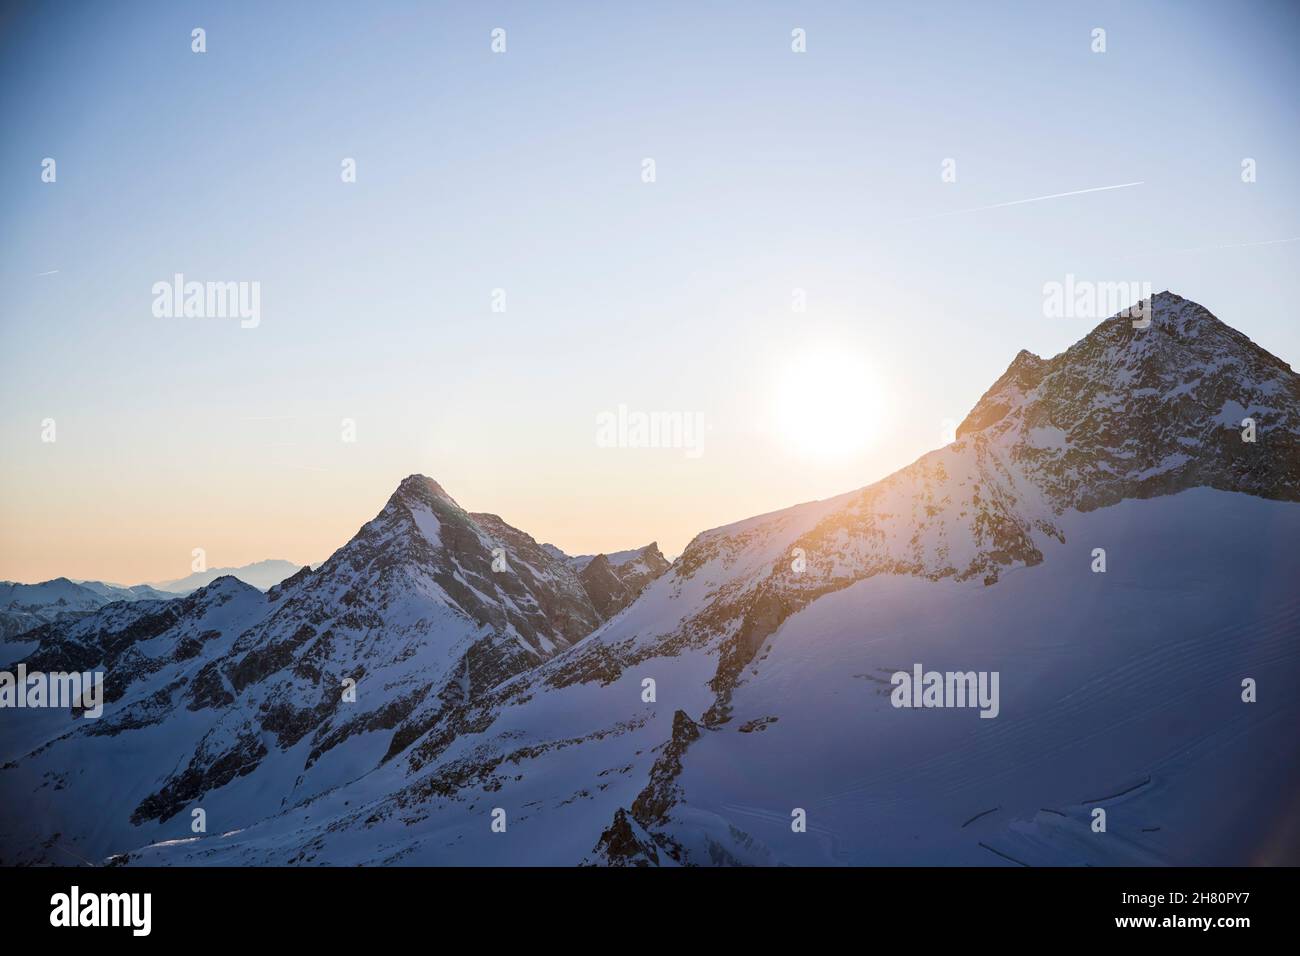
(522, 171)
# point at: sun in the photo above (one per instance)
(829, 404)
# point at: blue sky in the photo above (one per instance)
(521, 171)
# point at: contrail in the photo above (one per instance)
(50, 273)
(1021, 202)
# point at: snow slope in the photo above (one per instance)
(1118, 690)
(1122, 683)
(751, 678)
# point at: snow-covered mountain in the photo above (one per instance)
(1136, 413)
(25, 606)
(125, 592)
(262, 575)
(502, 717)
(323, 677)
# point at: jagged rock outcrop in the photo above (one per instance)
(653, 803)
(613, 581)
(624, 843)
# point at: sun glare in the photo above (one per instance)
(829, 403)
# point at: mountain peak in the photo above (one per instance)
(1171, 312)
(1135, 409)
(421, 488)
(227, 584)
(599, 563)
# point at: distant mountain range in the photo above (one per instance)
(260, 574)
(1107, 534)
(25, 606)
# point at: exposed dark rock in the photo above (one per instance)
(622, 845)
(653, 803)
(211, 767)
